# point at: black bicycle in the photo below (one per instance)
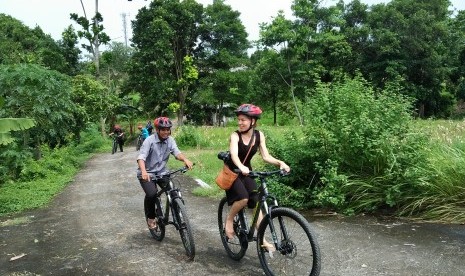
(295, 252)
(114, 147)
(174, 212)
(139, 142)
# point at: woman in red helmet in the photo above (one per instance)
(243, 192)
(152, 159)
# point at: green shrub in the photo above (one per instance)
(190, 137)
(352, 135)
(39, 180)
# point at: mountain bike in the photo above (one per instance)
(296, 251)
(171, 210)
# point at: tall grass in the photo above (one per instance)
(442, 185)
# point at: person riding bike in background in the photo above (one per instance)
(119, 136)
(152, 160)
(243, 191)
(143, 132)
(149, 127)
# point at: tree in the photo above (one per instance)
(94, 102)
(268, 85)
(40, 94)
(164, 34)
(94, 35)
(407, 40)
(69, 50)
(12, 124)
(280, 34)
(222, 54)
(20, 44)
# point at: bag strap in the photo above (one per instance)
(251, 144)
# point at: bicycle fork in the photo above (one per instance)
(172, 196)
(267, 210)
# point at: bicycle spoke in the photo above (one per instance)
(185, 229)
(297, 252)
(234, 247)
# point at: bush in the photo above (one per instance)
(39, 180)
(353, 135)
(190, 137)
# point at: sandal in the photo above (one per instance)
(268, 247)
(152, 224)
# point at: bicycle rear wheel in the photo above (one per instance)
(159, 232)
(184, 227)
(236, 247)
(298, 252)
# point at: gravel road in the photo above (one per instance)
(96, 226)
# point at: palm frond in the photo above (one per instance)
(14, 124)
(5, 138)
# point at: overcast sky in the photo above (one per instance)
(53, 15)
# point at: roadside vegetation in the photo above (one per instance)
(359, 105)
(370, 157)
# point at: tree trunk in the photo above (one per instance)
(102, 126)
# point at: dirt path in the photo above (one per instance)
(96, 226)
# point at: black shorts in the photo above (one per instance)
(242, 188)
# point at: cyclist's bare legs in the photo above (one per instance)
(235, 208)
(267, 245)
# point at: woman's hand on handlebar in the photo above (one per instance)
(284, 167)
(244, 170)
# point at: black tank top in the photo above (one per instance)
(243, 149)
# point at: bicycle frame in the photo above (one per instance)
(262, 205)
(171, 193)
(174, 205)
(294, 245)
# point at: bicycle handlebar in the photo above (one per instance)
(169, 173)
(255, 174)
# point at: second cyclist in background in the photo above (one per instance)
(149, 127)
(144, 134)
(118, 131)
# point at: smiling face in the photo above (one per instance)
(244, 122)
(163, 133)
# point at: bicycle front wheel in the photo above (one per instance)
(115, 146)
(159, 232)
(236, 247)
(184, 227)
(139, 143)
(298, 252)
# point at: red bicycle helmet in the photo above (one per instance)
(162, 122)
(249, 110)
